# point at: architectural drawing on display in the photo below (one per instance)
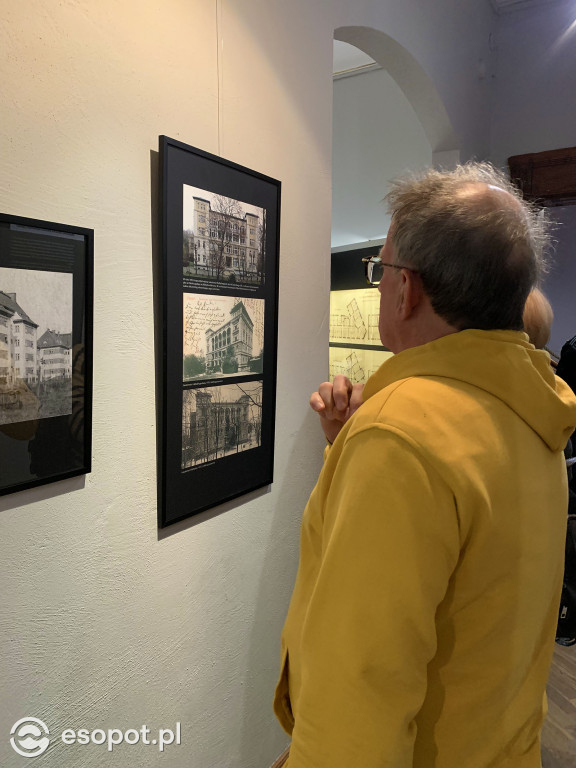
(354, 316)
(223, 239)
(373, 330)
(220, 421)
(357, 364)
(350, 325)
(350, 367)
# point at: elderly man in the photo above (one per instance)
(421, 628)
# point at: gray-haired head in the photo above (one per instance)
(478, 246)
(538, 318)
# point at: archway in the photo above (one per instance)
(388, 118)
(416, 85)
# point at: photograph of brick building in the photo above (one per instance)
(223, 336)
(35, 361)
(223, 239)
(233, 340)
(54, 355)
(18, 342)
(220, 421)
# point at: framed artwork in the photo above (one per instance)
(45, 352)
(220, 230)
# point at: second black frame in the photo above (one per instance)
(46, 285)
(220, 243)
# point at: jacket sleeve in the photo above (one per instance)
(390, 542)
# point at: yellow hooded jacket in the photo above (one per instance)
(421, 627)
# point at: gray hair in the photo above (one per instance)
(477, 245)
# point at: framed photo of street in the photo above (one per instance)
(45, 352)
(220, 245)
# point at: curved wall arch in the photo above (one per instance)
(416, 85)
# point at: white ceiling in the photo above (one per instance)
(350, 60)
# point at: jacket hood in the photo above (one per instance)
(503, 363)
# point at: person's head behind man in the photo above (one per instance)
(468, 248)
(538, 318)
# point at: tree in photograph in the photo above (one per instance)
(187, 248)
(230, 363)
(216, 424)
(261, 255)
(220, 421)
(189, 429)
(242, 266)
(223, 211)
(257, 363)
(255, 411)
(194, 365)
(209, 426)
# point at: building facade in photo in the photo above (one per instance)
(7, 373)
(23, 356)
(224, 243)
(18, 343)
(54, 355)
(229, 347)
(213, 428)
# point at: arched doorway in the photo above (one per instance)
(387, 118)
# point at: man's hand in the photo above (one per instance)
(335, 403)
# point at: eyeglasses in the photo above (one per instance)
(374, 269)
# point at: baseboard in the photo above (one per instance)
(280, 761)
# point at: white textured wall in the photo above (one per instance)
(103, 622)
(446, 62)
(535, 98)
(535, 110)
(377, 136)
(453, 43)
(560, 283)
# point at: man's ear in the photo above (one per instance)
(411, 293)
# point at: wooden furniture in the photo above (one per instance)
(547, 177)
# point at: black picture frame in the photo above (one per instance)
(219, 304)
(46, 306)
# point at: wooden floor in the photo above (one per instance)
(559, 733)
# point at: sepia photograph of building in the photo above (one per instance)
(220, 421)
(35, 344)
(223, 336)
(223, 239)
